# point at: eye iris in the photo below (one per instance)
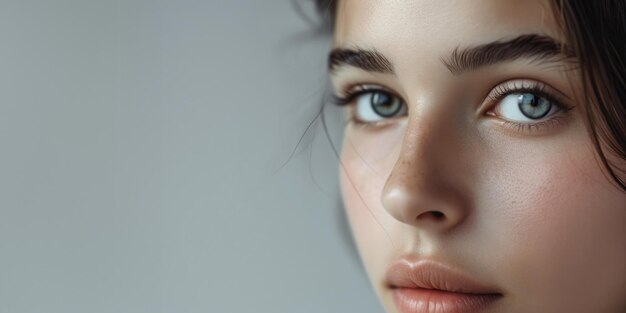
(384, 104)
(532, 106)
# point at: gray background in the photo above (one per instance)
(141, 147)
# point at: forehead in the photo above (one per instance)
(398, 27)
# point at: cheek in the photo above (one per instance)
(359, 190)
(367, 159)
(361, 184)
(549, 224)
(561, 229)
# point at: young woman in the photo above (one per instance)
(483, 160)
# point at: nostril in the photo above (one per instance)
(436, 215)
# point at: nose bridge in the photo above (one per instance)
(424, 188)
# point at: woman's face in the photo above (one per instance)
(467, 155)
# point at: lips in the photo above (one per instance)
(426, 286)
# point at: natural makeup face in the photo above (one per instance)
(467, 148)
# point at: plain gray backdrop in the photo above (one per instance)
(143, 163)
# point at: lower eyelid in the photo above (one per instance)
(544, 127)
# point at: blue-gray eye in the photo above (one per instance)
(533, 106)
(525, 107)
(385, 104)
(373, 106)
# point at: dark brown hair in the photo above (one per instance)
(596, 32)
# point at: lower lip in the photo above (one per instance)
(417, 300)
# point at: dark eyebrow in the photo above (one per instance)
(368, 60)
(533, 46)
(537, 47)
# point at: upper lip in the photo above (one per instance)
(429, 274)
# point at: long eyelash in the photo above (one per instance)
(349, 97)
(504, 90)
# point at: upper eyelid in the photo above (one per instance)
(503, 89)
(530, 84)
(364, 87)
(351, 91)
(358, 89)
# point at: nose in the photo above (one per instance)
(426, 187)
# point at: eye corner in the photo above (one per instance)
(490, 113)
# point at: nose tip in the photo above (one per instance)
(435, 210)
(430, 185)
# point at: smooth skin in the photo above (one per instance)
(527, 209)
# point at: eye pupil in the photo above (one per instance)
(533, 106)
(385, 104)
